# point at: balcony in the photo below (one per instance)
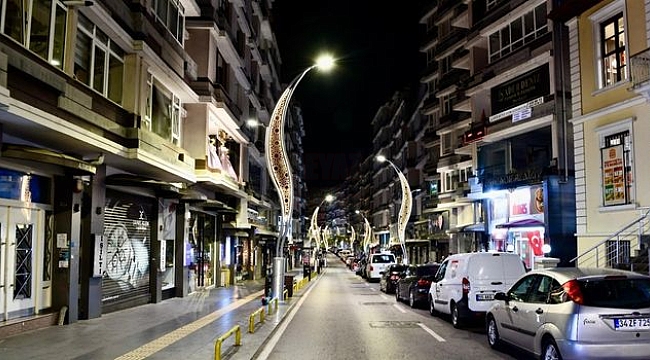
(455, 39)
(640, 72)
(430, 105)
(429, 72)
(452, 77)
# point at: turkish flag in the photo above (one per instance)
(535, 241)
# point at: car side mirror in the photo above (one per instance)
(501, 296)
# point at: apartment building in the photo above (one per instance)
(124, 144)
(609, 60)
(498, 94)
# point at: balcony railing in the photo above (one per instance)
(640, 68)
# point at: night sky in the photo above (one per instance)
(376, 46)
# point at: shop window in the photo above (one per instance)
(519, 32)
(39, 25)
(617, 163)
(98, 61)
(610, 44)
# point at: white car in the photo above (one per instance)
(377, 264)
(465, 284)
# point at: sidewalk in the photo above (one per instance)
(176, 328)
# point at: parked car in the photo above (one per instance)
(361, 269)
(414, 283)
(465, 284)
(389, 278)
(377, 264)
(574, 313)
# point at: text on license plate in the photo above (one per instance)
(632, 324)
(484, 297)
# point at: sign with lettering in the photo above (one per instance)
(529, 86)
(99, 256)
(613, 176)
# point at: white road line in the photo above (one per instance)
(373, 289)
(385, 297)
(399, 308)
(431, 332)
(367, 284)
(283, 326)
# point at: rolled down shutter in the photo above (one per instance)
(127, 234)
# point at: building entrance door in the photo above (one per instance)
(21, 245)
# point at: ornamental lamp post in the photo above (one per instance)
(404, 209)
(367, 236)
(279, 169)
(314, 229)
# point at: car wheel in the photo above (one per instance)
(455, 316)
(550, 350)
(397, 294)
(411, 299)
(432, 309)
(493, 333)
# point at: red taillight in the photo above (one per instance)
(371, 268)
(572, 290)
(423, 283)
(394, 277)
(466, 286)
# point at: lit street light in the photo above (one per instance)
(314, 230)
(279, 169)
(367, 237)
(404, 209)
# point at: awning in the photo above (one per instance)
(161, 188)
(24, 152)
(469, 228)
(216, 205)
(520, 223)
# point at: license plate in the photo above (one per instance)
(632, 324)
(484, 297)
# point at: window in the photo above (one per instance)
(612, 48)
(172, 14)
(610, 44)
(39, 25)
(521, 31)
(449, 181)
(98, 61)
(617, 163)
(448, 102)
(162, 111)
(522, 290)
(446, 144)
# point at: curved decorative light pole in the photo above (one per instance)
(314, 230)
(404, 209)
(367, 234)
(279, 169)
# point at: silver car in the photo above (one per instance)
(574, 313)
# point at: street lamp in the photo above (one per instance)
(404, 209)
(314, 229)
(279, 168)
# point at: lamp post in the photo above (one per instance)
(314, 229)
(367, 236)
(279, 169)
(404, 209)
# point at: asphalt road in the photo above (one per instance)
(342, 316)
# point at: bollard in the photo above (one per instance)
(274, 300)
(217, 345)
(251, 319)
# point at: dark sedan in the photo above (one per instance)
(414, 283)
(389, 278)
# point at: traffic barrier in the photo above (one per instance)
(251, 319)
(236, 330)
(274, 300)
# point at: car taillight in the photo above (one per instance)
(371, 268)
(572, 290)
(423, 283)
(394, 277)
(466, 286)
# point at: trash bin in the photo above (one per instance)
(288, 284)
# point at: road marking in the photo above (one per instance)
(283, 326)
(385, 297)
(164, 341)
(431, 332)
(373, 289)
(399, 308)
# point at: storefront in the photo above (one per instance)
(517, 222)
(202, 250)
(128, 237)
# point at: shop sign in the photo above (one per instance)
(515, 177)
(527, 201)
(613, 176)
(99, 256)
(532, 85)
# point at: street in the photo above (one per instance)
(342, 316)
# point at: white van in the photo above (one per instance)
(377, 264)
(465, 284)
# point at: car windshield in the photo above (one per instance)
(385, 259)
(624, 293)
